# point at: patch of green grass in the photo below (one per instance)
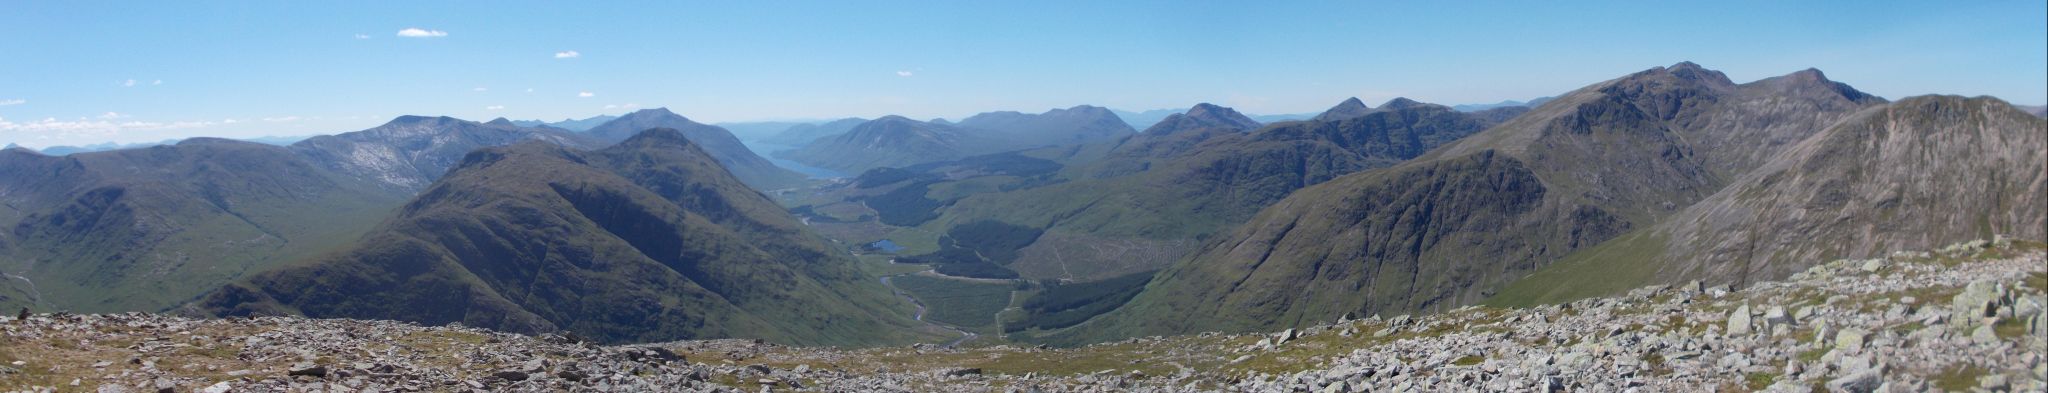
(1469, 360)
(1758, 381)
(1612, 267)
(1959, 379)
(962, 303)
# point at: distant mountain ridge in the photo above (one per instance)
(896, 141)
(1078, 124)
(803, 134)
(1203, 116)
(728, 149)
(409, 152)
(568, 124)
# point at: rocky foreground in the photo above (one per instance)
(1966, 318)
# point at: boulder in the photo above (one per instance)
(1739, 321)
(1858, 382)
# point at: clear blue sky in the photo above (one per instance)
(241, 69)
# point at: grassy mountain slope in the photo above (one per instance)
(146, 229)
(757, 172)
(647, 240)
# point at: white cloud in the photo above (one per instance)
(567, 54)
(494, 107)
(416, 32)
(361, 36)
(16, 101)
(157, 82)
(51, 128)
(230, 121)
(112, 115)
(904, 73)
(529, 90)
(480, 89)
(626, 106)
(285, 119)
(585, 94)
(611, 106)
(129, 83)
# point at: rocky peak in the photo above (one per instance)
(653, 114)
(501, 122)
(657, 137)
(1399, 103)
(1812, 81)
(1351, 107)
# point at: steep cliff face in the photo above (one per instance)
(1915, 174)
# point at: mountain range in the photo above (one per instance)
(568, 124)
(647, 240)
(150, 228)
(1065, 227)
(1670, 153)
(896, 141)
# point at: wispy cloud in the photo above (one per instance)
(361, 36)
(585, 94)
(53, 129)
(111, 116)
(905, 73)
(628, 106)
(129, 83)
(494, 107)
(480, 89)
(16, 101)
(284, 119)
(567, 54)
(157, 82)
(415, 32)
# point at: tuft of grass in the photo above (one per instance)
(1959, 379)
(1469, 360)
(1758, 381)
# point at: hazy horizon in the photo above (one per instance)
(128, 73)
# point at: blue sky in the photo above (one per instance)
(245, 69)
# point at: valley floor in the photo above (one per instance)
(1964, 318)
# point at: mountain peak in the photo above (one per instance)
(1204, 115)
(1401, 103)
(654, 113)
(1694, 72)
(1813, 80)
(1351, 107)
(500, 122)
(894, 119)
(658, 136)
(412, 120)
